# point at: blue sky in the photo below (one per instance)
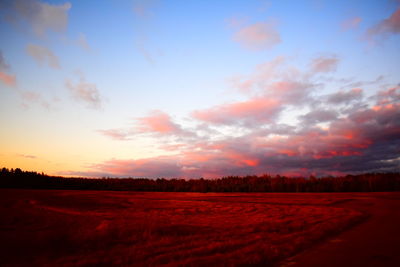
(199, 88)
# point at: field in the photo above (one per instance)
(82, 228)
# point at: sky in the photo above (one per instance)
(191, 89)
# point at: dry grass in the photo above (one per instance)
(150, 229)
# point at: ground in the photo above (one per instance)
(82, 228)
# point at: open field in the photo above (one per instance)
(59, 227)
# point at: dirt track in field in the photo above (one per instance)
(375, 242)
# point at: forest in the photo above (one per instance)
(368, 182)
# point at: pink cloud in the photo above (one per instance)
(324, 64)
(258, 36)
(252, 111)
(264, 73)
(365, 139)
(259, 110)
(7, 79)
(288, 92)
(392, 95)
(158, 122)
(387, 26)
(151, 167)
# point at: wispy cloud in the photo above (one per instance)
(144, 11)
(143, 8)
(39, 16)
(4, 66)
(116, 134)
(385, 27)
(85, 92)
(82, 42)
(43, 56)
(258, 36)
(32, 97)
(6, 78)
(351, 23)
(27, 156)
(324, 64)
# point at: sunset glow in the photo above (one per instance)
(194, 89)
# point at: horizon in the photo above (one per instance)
(181, 89)
(263, 175)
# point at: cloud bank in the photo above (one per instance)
(341, 132)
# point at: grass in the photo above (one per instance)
(52, 228)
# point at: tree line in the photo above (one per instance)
(368, 182)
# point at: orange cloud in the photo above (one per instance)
(7, 79)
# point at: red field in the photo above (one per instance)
(52, 228)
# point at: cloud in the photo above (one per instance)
(143, 11)
(7, 79)
(156, 124)
(82, 42)
(116, 134)
(161, 124)
(337, 133)
(43, 56)
(85, 92)
(264, 73)
(41, 17)
(143, 8)
(362, 139)
(258, 36)
(30, 97)
(151, 167)
(324, 64)
(342, 97)
(251, 112)
(386, 27)
(319, 115)
(351, 23)
(390, 96)
(4, 66)
(259, 110)
(27, 156)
